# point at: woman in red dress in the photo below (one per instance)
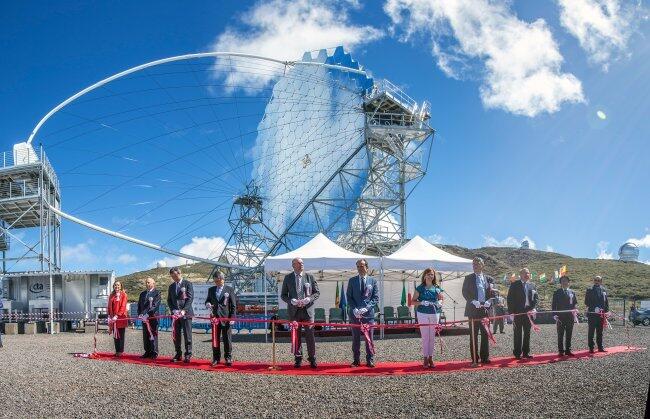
(117, 313)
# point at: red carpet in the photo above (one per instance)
(382, 368)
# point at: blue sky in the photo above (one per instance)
(515, 90)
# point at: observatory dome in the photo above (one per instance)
(525, 244)
(629, 252)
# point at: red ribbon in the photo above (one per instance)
(175, 317)
(532, 323)
(295, 345)
(486, 325)
(215, 333)
(365, 329)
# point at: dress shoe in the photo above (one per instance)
(354, 364)
(187, 359)
(370, 363)
(297, 363)
(591, 350)
(425, 363)
(569, 353)
(228, 362)
(177, 358)
(145, 356)
(528, 356)
(153, 356)
(601, 350)
(214, 363)
(118, 354)
(486, 361)
(312, 363)
(560, 353)
(517, 356)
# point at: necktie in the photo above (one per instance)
(363, 285)
(300, 288)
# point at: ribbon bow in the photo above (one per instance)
(532, 323)
(114, 330)
(175, 317)
(295, 344)
(215, 333)
(486, 325)
(145, 321)
(365, 329)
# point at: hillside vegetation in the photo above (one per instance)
(629, 280)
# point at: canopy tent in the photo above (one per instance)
(318, 254)
(419, 254)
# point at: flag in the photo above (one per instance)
(337, 301)
(505, 279)
(563, 270)
(556, 277)
(403, 300)
(343, 303)
(542, 278)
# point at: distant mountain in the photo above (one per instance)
(623, 279)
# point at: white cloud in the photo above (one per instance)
(549, 248)
(603, 252)
(203, 247)
(284, 30)
(78, 253)
(435, 239)
(602, 27)
(642, 242)
(509, 241)
(521, 62)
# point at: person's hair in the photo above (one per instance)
(564, 277)
(427, 271)
(218, 274)
(365, 262)
(121, 286)
(175, 269)
(522, 270)
(598, 277)
(150, 277)
(478, 260)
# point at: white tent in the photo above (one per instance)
(319, 254)
(419, 254)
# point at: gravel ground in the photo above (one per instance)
(40, 378)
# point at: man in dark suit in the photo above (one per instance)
(522, 298)
(478, 289)
(299, 291)
(148, 304)
(363, 297)
(179, 300)
(564, 299)
(597, 302)
(498, 309)
(221, 300)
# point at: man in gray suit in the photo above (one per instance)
(363, 297)
(299, 291)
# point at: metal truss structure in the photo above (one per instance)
(29, 189)
(396, 149)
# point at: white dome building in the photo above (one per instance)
(629, 252)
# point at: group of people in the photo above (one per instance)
(300, 291)
(480, 294)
